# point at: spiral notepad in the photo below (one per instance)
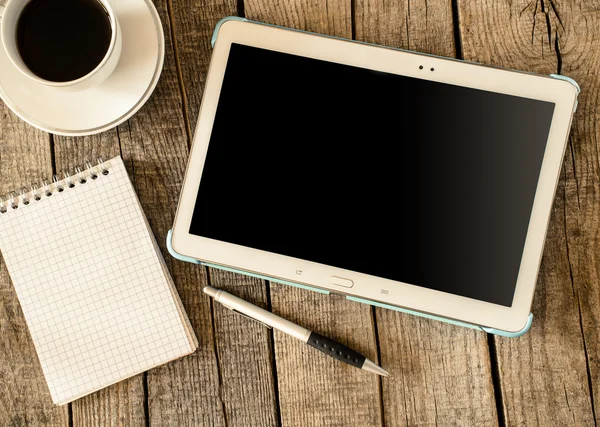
(96, 294)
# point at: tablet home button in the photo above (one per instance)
(338, 281)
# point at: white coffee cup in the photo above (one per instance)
(10, 11)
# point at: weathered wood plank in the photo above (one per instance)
(70, 152)
(419, 25)
(24, 397)
(186, 391)
(244, 349)
(314, 389)
(194, 22)
(440, 373)
(245, 355)
(119, 405)
(577, 34)
(122, 403)
(320, 16)
(154, 145)
(543, 375)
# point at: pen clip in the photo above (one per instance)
(251, 318)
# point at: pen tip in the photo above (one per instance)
(372, 367)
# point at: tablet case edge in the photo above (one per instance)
(574, 83)
(450, 321)
(498, 332)
(213, 40)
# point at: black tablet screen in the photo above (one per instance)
(411, 180)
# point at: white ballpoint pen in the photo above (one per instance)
(326, 345)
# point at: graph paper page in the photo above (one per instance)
(99, 304)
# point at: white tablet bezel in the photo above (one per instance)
(513, 318)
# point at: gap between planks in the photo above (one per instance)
(184, 100)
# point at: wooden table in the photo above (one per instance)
(245, 375)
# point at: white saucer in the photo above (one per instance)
(107, 105)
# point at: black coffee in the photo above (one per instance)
(63, 40)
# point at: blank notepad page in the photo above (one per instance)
(99, 303)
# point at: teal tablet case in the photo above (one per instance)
(374, 303)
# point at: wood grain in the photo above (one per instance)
(24, 396)
(245, 355)
(543, 375)
(332, 17)
(440, 374)
(316, 390)
(70, 152)
(577, 34)
(154, 145)
(194, 23)
(244, 350)
(419, 25)
(184, 392)
(119, 405)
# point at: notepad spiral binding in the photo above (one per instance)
(45, 188)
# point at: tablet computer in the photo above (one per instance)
(411, 180)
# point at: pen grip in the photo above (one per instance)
(336, 350)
